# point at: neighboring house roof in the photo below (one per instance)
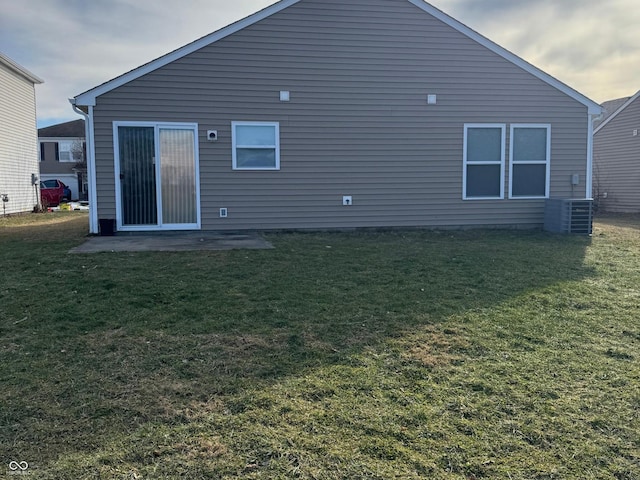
(613, 108)
(88, 98)
(72, 129)
(19, 69)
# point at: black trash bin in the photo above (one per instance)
(107, 227)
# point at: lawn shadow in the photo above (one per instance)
(150, 337)
(226, 321)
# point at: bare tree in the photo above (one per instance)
(77, 151)
(599, 193)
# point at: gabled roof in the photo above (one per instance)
(72, 129)
(88, 98)
(19, 69)
(609, 108)
(613, 108)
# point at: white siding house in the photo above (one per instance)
(18, 137)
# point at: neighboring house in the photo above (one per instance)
(314, 114)
(18, 139)
(616, 185)
(62, 156)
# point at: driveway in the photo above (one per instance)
(172, 242)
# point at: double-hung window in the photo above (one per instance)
(530, 154)
(484, 154)
(256, 145)
(65, 151)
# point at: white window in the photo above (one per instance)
(64, 151)
(483, 169)
(256, 145)
(530, 154)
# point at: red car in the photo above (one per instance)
(52, 192)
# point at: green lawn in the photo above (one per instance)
(439, 355)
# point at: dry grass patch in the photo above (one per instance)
(436, 346)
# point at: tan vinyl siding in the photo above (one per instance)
(357, 124)
(617, 162)
(18, 141)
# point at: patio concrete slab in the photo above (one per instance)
(172, 242)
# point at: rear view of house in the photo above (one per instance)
(18, 138)
(617, 156)
(335, 114)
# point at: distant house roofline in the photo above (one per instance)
(88, 98)
(617, 112)
(72, 129)
(19, 69)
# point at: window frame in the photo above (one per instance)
(466, 163)
(68, 148)
(546, 162)
(235, 145)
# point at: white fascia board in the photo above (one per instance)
(617, 112)
(19, 69)
(593, 107)
(88, 98)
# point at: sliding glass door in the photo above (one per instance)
(178, 176)
(157, 176)
(137, 176)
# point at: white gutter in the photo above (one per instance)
(91, 165)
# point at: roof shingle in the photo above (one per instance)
(72, 129)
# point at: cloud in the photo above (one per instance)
(75, 45)
(589, 44)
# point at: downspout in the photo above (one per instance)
(592, 118)
(91, 165)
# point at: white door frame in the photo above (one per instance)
(157, 126)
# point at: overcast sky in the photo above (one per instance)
(74, 45)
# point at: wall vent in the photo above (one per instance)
(569, 215)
